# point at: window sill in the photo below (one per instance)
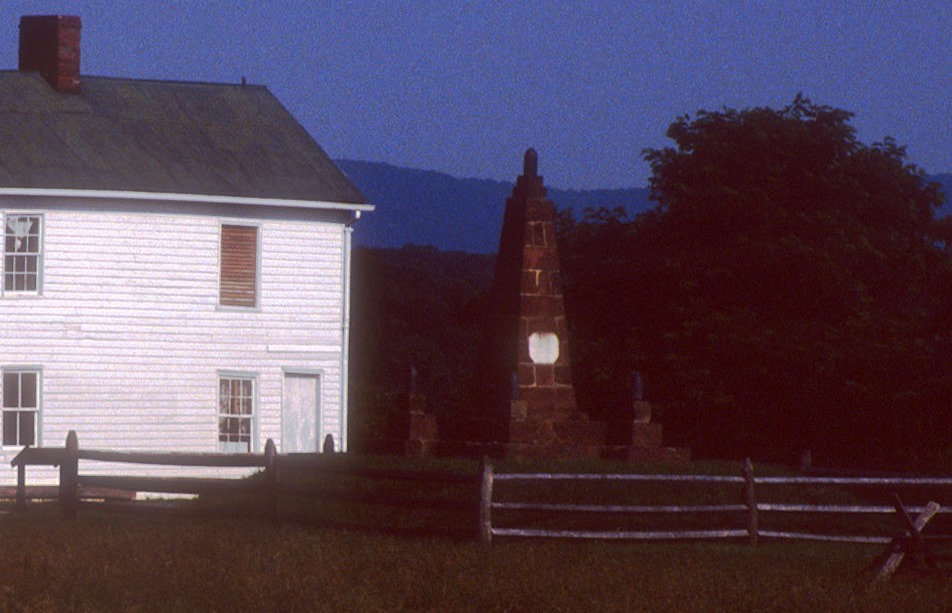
(10, 295)
(237, 309)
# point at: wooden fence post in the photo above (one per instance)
(486, 501)
(21, 487)
(910, 542)
(751, 501)
(69, 473)
(272, 477)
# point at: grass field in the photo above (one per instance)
(217, 561)
(113, 563)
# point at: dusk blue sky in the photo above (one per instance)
(465, 87)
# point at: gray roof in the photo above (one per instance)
(159, 136)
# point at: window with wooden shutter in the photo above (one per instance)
(239, 266)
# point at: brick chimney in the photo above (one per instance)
(49, 44)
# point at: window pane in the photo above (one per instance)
(231, 429)
(236, 409)
(225, 428)
(9, 428)
(28, 390)
(20, 391)
(223, 396)
(232, 400)
(22, 246)
(242, 406)
(11, 389)
(27, 428)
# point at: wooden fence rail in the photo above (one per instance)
(71, 481)
(67, 459)
(749, 507)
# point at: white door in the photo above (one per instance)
(300, 416)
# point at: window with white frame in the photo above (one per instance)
(21, 406)
(22, 252)
(236, 407)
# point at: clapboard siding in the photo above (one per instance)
(131, 339)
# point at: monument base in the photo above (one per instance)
(412, 432)
(544, 438)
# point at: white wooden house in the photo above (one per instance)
(175, 270)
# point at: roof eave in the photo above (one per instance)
(175, 197)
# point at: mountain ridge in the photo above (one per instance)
(428, 207)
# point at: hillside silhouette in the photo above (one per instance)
(425, 207)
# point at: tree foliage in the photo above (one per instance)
(790, 291)
(412, 307)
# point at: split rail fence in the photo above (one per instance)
(363, 486)
(456, 496)
(71, 481)
(748, 509)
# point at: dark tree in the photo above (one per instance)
(414, 307)
(789, 292)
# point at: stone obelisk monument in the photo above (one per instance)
(525, 380)
(523, 401)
